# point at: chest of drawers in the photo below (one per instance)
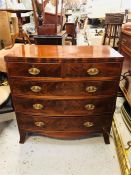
(125, 50)
(66, 92)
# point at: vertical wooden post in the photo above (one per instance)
(61, 20)
(56, 15)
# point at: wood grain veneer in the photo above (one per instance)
(125, 50)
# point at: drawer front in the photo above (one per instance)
(58, 107)
(92, 70)
(90, 123)
(34, 70)
(125, 51)
(126, 41)
(126, 65)
(69, 88)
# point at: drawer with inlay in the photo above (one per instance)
(80, 123)
(35, 70)
(91, 69)
(89, 106)
(63, 88)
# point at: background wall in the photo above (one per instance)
(100, 7)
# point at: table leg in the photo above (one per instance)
(13, 41)
(26, 37)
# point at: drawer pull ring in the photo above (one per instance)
(36, 88)
(91, 89)
(88, 124)
(34, 71)
(93, 71)
(38, 106)
(89, 107)
(39, 124)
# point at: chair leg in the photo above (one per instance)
(115, 29)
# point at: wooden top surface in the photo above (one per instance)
(53, 52)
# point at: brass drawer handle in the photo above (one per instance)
(39, 124)
(89, 107)
(36, 88)
(34, 71)
(93, 71)
(88, 124)
(91, 89)
(38, 106)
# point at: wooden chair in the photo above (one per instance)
(71, 32)
(113, 23)
(46, 23)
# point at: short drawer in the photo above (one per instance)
(86, 123)
(61, 107)
(63, 88)
(34, 70)
(91, 69)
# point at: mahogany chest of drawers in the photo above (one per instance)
(125, 50)
(66, 92)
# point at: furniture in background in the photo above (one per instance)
(6, 105)
(21, 33)
(127, 16)
(58, 39)
(125, 83)
(125, 50)
(65, 92)
(113, 23)
(7, 110)
(47, 23)
(5, 37)
(71, 32)
(124, 152)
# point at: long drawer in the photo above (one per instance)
(86, 123)
(63, 88)
(77, 107)
(65, 69)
